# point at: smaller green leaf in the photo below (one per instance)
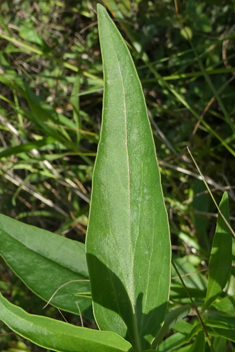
(26, 147)
(184, 349)
(183, 326)
(45, 261)
(178, 292)
(171, 318)
(227, 334)
(172, 342)
(199, 343)
(59, 336)
(27, 32)
(220, 319)
(186, 33)
(195, 330)
(221, 256)
(201, 203)
(219, 344)
(227, 305)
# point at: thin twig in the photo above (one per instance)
(195, 307)
(212, 197)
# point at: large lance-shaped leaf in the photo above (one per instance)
(45, 261)
(59, 336)
(128, 243)
(221, 255)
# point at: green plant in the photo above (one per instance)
(127, 247)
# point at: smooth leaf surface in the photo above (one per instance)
(184, 349)
(227, 305)
(45, 261)
(59, 336)
(178, 292)
(128, 243)
(227, 334)
(221, 256)
(220, 319)
(219, 344)
(199, 343)
(195, 330)
(171, 319)
(201, 203)
(173, 342)
(183, 326)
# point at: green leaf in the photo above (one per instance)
(201, 203)
(183, 326)
(178, 292)
(45, 261)
(173, 342)
(186, 33)
(219, 344)
(74, 101)
(29, 33)
(227, 305)
(221, 256)
(171, 319)
(59, 336)
(26, 147)
(195, 330)
(199, 343)
(184, 349)
(227, 334)
(128, 243)
(220, 319)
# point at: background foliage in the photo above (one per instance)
(50, 113)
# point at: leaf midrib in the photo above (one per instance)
(135, 326)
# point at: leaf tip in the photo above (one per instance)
(100, 9)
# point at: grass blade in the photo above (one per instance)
(26, 147)
(220, 257)
(74, 101)
(172, 318)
